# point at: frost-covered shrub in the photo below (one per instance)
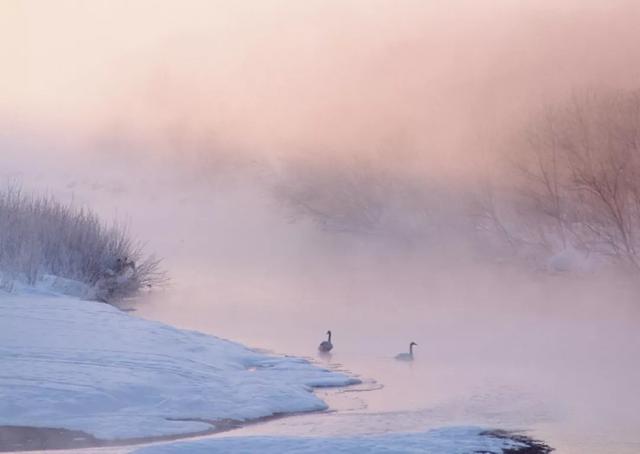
(39, 235)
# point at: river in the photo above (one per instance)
(554, 357)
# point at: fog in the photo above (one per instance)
(409, 78)
(187, 119)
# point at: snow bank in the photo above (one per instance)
(46, 285)
(449, 440)
(87, 366)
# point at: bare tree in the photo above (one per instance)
(341, 198)
(578, 177)
(601, 144)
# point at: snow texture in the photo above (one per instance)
(448, 440)
(81, 365)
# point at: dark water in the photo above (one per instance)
(554, 357)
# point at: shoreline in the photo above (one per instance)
(26, 438)
(29, 439)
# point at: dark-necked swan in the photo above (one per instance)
(326, 346)
(406, 356)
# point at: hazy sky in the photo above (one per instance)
(270, 77)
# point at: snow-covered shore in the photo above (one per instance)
(107, 377)
(87, 366)
(448, 440)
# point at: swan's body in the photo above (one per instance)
(406, 356)
(326, 346)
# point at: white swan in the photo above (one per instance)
(326, 346)
(406, 356)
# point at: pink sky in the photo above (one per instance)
(276, 76)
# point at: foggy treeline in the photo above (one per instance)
(559, 191)
(568, 184)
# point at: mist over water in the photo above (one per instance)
(185, 120)
(553, 356)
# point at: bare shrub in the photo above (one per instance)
(39, 235)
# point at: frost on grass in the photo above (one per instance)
(86, 366)
(40, 236)
(449, 440)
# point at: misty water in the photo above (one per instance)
(553, 356)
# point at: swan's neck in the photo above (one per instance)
(411, 349)
(329, 334)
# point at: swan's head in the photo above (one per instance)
(329, 333)
(412, 344)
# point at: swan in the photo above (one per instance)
(406, 356)
(326, 346)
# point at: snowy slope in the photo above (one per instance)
(86, 366)
(453, 440)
